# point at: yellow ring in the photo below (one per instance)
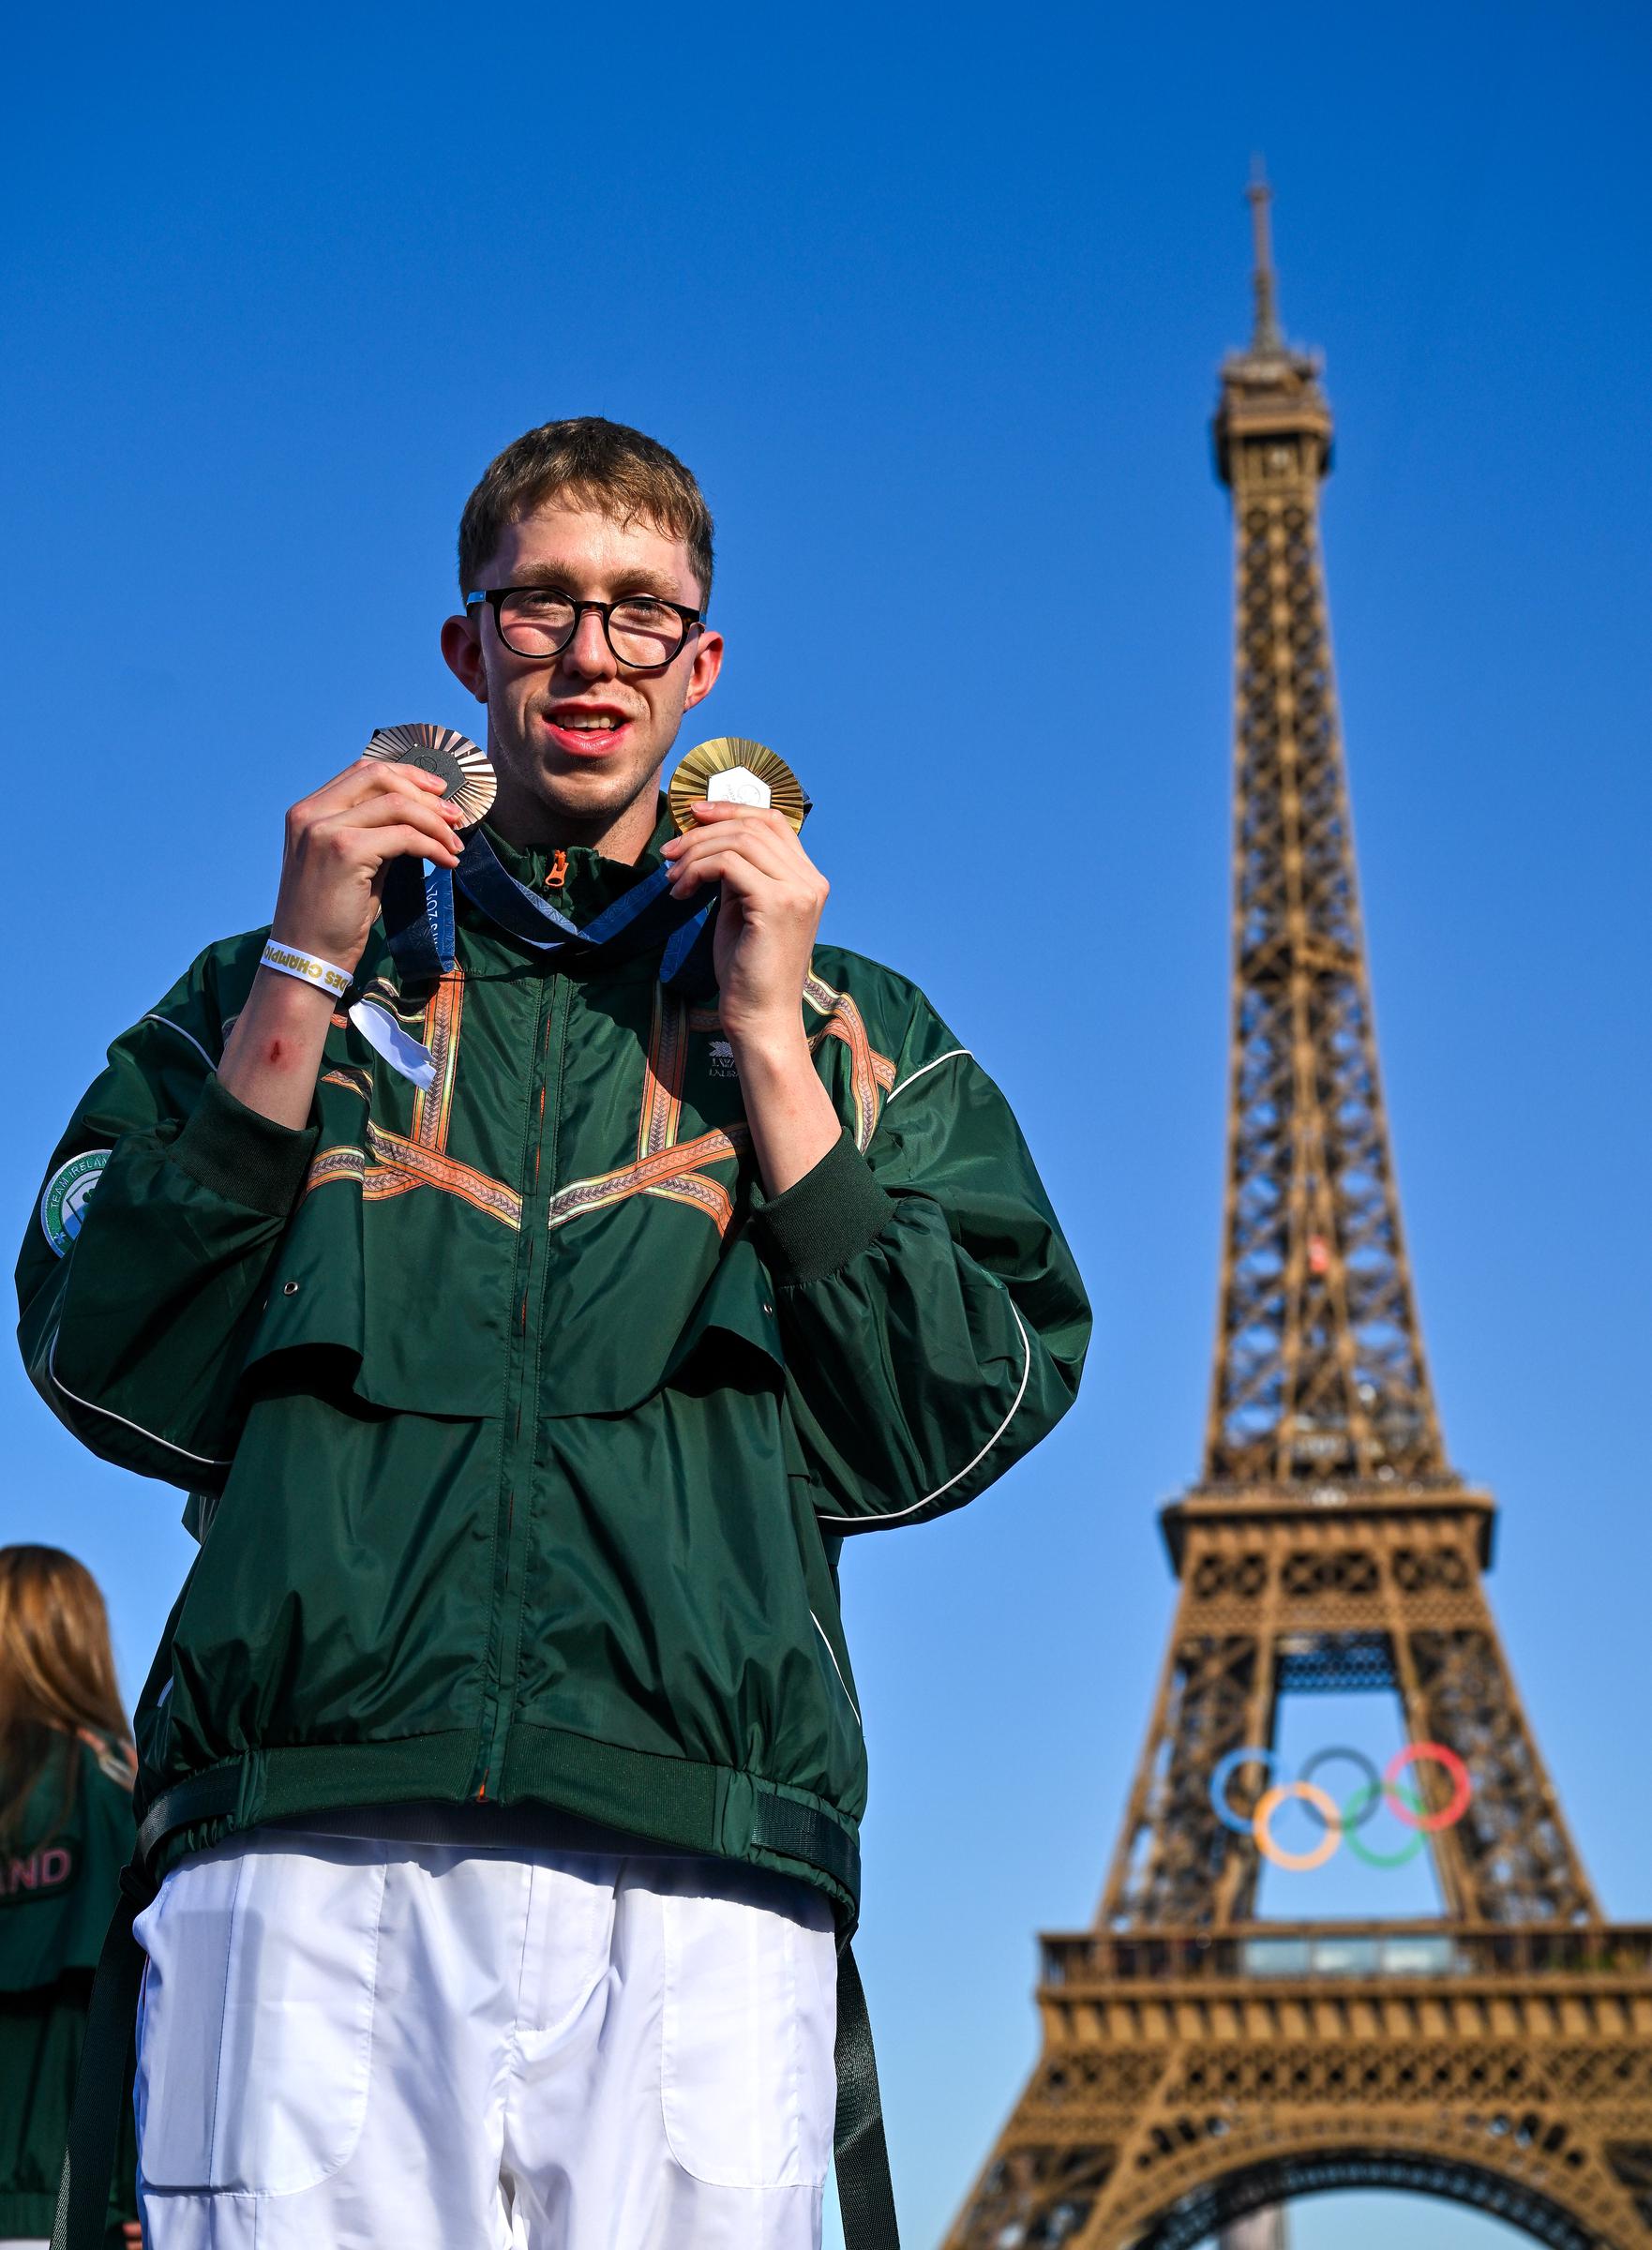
(1299, 1861)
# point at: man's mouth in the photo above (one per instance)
(589, 730)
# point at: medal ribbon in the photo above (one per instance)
(419, 917)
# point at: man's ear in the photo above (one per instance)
(703, 672)
(461, 646)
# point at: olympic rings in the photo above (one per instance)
(1406, 1805)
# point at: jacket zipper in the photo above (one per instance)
(521, 1419)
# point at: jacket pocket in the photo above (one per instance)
(837, 1667)
(255, 2029)
(826, 1639)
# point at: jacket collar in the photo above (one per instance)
(579, 882)
(588, 883)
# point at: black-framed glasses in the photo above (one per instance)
(644, 632)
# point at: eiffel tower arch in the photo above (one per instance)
(1202, 2067)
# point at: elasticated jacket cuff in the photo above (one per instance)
(233, 1151)
(823, 1219)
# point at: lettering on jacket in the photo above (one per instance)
(41, 1873)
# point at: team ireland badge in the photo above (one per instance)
(454, 758)
(729, 770)
(67, 1194)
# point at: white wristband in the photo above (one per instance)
(305, 967)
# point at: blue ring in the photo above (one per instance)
(1225, 1769)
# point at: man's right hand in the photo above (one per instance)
(339, 842)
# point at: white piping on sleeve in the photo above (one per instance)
(207, 1460)
(838, 1669)
(153, 1018)
(896, 1514)
(950, 1056)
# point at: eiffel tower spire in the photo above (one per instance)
(1265, 336)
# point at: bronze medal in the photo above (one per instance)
(471, 783)
(730, 769)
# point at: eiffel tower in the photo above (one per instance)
(1200, 2066)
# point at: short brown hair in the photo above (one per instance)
(593, 463)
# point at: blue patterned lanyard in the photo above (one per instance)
(419, 917)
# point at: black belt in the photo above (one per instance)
(865, 2192)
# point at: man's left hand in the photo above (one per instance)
(773, 895)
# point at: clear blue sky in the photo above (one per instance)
(932, 301)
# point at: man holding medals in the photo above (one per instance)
(535, 1268)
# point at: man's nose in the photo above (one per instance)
(588, 653)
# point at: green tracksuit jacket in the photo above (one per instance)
(57, 1889)
(527, 1432)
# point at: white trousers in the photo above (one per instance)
(345, 2043)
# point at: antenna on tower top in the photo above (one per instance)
(1265, 336)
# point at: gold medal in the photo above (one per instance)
(729, 770)
(470, 781)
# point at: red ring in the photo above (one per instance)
(1462, 1787)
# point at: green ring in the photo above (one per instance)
(1350, 1834)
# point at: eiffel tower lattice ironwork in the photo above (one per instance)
(1201, 2065)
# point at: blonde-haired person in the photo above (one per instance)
(66, 1831)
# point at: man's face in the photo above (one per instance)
(577, 736)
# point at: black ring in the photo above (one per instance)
(1359, 1757)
